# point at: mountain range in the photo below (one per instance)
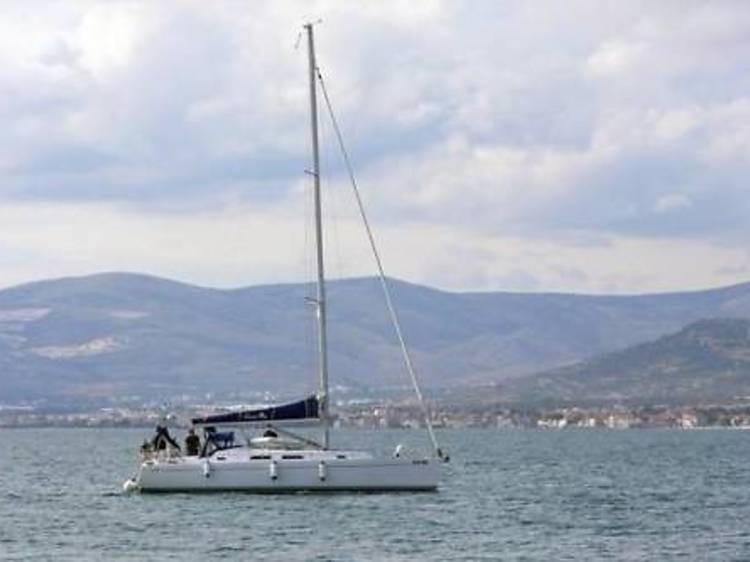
(121, 334)
(707, 362)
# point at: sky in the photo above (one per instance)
(588, 147)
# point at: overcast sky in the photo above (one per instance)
(558, 146)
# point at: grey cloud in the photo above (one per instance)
(550, 104)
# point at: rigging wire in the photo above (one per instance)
(381, 272)
(332, 203)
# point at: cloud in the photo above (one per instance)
(671, 202)
(587, 135)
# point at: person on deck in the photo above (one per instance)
(192, 443)
(146, 446)
(163, 438)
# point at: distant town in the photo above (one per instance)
(403, 414)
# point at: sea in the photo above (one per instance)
(505, 495)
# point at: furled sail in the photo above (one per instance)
(300, 411)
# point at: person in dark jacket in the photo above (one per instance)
(163, 438)
(192, 443)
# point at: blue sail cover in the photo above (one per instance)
(294, 411)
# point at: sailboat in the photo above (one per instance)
(279, 458)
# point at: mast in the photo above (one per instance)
(321, 298)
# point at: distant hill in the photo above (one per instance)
(707, 361)
(124, 334)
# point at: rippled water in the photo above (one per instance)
(507, 495)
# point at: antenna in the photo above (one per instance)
(304, 26)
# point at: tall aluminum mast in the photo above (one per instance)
(321, 299)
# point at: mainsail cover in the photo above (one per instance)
(306, 409)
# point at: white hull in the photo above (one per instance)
(240, 469)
